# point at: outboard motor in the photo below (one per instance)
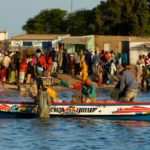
(44, 105)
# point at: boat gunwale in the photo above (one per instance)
(103, 102)
(16, 102)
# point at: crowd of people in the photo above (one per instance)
(21, 68)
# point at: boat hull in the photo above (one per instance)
(103, 110)
(15, 109)
(140, 117)
(25, 115)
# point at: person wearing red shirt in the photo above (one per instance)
(43, 61)
(3, 75)
(22, 70)
(106, 56)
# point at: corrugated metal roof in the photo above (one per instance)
(36, 36)
(75, 40)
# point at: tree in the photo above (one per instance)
(111, 17)
(80, 23)
(47, 21)
(125, 17)
(97, 21)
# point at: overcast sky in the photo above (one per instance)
(15, 13)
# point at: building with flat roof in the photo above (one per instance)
(42, 41)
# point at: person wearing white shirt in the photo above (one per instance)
(112, 71)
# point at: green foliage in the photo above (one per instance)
(47, 21)
(125, 17)
(111, 17)
(79, 23)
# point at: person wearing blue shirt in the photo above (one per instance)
(89, 91)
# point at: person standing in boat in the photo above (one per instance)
(128, 85)
(89, 91)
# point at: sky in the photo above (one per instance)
(15, 13)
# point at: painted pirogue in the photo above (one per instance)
(103, 109)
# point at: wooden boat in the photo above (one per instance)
(103, 109)
(16, 109)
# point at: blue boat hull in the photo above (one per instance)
(102, 110)
(17, 115)
(139, 117)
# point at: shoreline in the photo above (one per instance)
(66, 77)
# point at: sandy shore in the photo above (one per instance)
(70, 79)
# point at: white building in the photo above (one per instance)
(3, 36)
(42, 41)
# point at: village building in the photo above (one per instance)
(138, 46)
(131, 45)
(41, 41)
(80, 43)
(3, 40)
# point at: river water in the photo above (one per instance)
(75, 134)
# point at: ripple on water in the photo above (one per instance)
(73, 133)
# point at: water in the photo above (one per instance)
(75, 134)
(102, 94)
(70, 134)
